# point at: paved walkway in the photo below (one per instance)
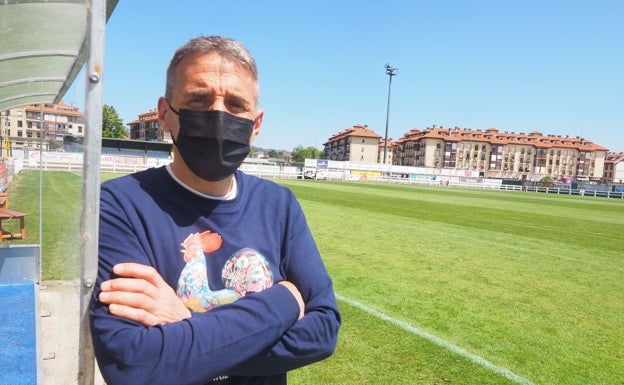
(60, 321)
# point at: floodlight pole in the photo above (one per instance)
(390, 71)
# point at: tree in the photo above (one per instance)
(112, 125)
(54, 144)
(300, 154)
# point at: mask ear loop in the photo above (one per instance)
(172, 109)
(177, 113)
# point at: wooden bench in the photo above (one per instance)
(10, 214)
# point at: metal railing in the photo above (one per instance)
(277, 173)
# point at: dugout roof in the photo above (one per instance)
(43, 46)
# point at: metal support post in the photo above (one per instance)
(91, 183)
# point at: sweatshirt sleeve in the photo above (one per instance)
(195, 350)
(314, 337)
(188, 352)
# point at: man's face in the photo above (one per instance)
(209, 82)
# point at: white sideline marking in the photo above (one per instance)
(439, 341)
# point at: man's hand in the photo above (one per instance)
(295, 292)
(140, 294)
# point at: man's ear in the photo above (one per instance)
(163, 110)
(257, 126)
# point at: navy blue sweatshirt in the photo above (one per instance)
(145, 217)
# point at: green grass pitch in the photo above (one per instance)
(529, 283)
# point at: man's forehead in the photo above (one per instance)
(206, 90)
(201, 69)
(215, 62)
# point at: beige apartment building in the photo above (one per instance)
(388, 149)
(498, 154)
(146, 127)
(355, 144)
(23, 127)
(490, 152)
(614, 168)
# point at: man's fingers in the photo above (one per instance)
(138, 315)
(132, 285)
(140, 294)
(124, 298)
(295, 292)
(144, 309)
(136, 270)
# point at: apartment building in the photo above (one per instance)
(24, 126)
(613, 168)
(490, 153)
(498, 154)
(146, 127)
(355, 144)
(388, 149)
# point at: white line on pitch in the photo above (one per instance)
(439, 341)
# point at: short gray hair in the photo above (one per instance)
(225, 47)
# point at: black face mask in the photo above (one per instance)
(213, 144)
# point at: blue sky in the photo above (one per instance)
(552, 66)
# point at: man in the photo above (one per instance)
(208, 275)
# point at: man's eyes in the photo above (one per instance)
(232, 105)
(235, 105)
(198, 103)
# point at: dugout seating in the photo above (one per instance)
(6, 214)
